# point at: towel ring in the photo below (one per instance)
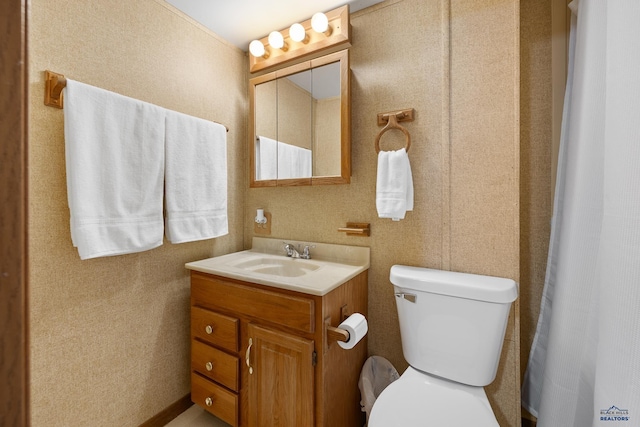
(393, 124)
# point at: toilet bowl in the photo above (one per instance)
(452, 326)
(419, 399)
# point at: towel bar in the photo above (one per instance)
(356, 229)
(53, 85)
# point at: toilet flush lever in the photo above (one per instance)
(409, 297)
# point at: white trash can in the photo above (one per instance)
(377, 373)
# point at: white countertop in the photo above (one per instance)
(333, 265)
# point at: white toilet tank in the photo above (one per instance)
(452, 324)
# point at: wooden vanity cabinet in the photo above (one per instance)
(260, 355)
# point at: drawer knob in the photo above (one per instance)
(208, 401)
(208, 329)
(209, 366)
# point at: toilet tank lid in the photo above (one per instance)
(463, 285)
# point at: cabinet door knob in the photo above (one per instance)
(247, 356)
(208, 401)
(209, 366)
(208, 329)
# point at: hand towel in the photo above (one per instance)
(394, 185)
(114, 148)
(195, 178)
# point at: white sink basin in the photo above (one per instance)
(286, 267)
(266, 264)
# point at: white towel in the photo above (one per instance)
(293, 161)
(266, 158)
(394, 185)
(279, 160)
(195, 179)
(115, 164)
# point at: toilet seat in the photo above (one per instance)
(421, 400)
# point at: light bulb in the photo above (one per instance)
(297, 33)
(276, 40)
(256, 48)
(320, 23)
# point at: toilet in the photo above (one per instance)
(452, 326)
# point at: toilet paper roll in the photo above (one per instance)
(356, 325)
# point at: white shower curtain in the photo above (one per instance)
(584, 366)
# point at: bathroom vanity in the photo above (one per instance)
(259, 344)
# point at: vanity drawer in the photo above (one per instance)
(215, 364)
(215, 328)
(215, 399)
(281, 308)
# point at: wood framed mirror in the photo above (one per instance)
(300, 127)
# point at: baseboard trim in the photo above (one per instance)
(172, 411)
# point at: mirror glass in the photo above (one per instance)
(300, 127)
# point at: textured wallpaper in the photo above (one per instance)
(109, 338)
(457, 64)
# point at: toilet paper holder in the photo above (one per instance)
(347, 336)
(336, 334)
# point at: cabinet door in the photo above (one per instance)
(281, 390)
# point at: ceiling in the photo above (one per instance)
(240, 21)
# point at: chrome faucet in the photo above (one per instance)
(291, 250)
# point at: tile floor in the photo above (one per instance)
(196, 417)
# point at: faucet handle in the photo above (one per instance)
(305, 252)
(287, 248)
(291, 250)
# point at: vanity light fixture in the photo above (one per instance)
(320, 24)
(328, 30)
(257, 49)
(276, 41)
(297, 33)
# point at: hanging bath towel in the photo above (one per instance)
(196, 179)
(114, 147)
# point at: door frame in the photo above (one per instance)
(14, 363)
